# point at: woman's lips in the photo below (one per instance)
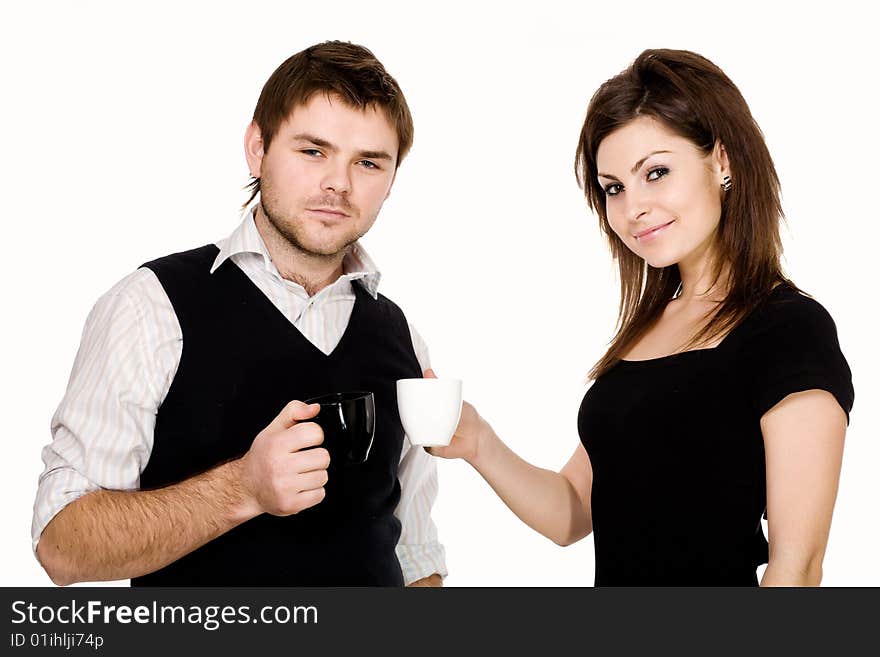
(650, 234)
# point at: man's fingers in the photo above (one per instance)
(309, 460)
(310, 498)
(429, 374)
(300, 436)
(311, 480)
(295, 411)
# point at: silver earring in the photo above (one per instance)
(726, 184)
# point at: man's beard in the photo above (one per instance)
(292, 232)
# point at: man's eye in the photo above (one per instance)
(314, 152)
(369, 165)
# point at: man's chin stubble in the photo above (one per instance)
(294, 241)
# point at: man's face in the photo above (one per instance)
(326, 174)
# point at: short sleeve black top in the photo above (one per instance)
(675, 444)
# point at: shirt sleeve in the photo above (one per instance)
(418, 549)
(794, 349)
(102, 431)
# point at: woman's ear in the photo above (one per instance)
(721, 161)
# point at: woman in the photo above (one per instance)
(724, 394)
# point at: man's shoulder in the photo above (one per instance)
(385, 301)
(391, 308)
(199, 257)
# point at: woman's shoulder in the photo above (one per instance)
(789, 313)
(790, 344)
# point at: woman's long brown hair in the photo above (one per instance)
(695, 99)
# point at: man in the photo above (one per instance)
(166, 464)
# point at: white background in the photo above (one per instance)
(123, 131)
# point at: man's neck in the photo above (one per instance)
(312, 272)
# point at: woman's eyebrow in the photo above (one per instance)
(635, 166)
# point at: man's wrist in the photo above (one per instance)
(245, 505)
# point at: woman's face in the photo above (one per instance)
(662, 194)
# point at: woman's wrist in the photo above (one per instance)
(485, 444)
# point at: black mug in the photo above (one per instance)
(348, 420)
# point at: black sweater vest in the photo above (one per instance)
(242, 361)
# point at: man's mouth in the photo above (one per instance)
(329, 213)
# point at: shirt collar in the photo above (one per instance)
(356, 266)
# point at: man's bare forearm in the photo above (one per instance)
(108, 535)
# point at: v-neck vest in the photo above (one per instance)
(241, 362)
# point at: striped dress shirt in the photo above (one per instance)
(102, 432)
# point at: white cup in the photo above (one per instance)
(429, 409)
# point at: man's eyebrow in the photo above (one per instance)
(375, 155)
(636, 166)
(317, 141)
(323, 143)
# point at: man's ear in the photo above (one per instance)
(253, 149)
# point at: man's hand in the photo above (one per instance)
(279, 475)
(431, 580)
(110, 534)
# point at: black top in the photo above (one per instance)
(675, 443)
(242, 362)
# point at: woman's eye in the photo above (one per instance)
(613, 189)
(656, 174)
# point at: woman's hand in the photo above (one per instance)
(472, 431)
(465, 443)
(555, 504)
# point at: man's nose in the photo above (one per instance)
(337, 178)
